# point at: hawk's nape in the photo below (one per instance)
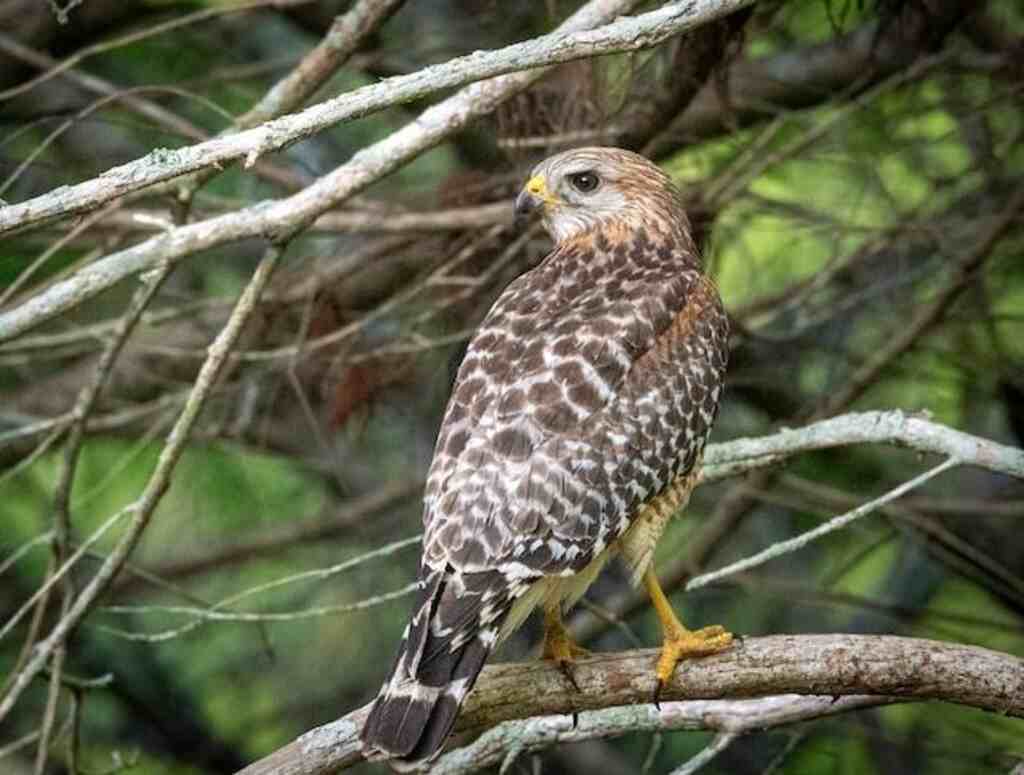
(575, 430)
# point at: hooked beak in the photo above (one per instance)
(534, 195)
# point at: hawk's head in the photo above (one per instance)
(579, 190)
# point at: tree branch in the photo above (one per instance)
(730, 717)
(346, 34)
(566, 45)
(836, 523)
(293, 213)
(158, 483)
(823, 666)
(892, 427)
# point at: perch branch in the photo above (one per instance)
(823, 666)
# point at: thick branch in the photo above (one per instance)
(832, 665)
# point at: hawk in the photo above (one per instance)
(574, 431)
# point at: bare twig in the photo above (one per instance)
(221, 610)
(138, 35)
(964, 272)
(286, 216)
(798, 78)
(719, 743)
(836, 523)
(338, 44)
(325, 526)
(199, 616)
(142, 510)
(130, 98)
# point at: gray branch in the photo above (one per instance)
(730, 717)
(892, 427)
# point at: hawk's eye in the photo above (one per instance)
(584, 182)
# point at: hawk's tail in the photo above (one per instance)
(453, 629)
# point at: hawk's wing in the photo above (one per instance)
(570, 410)
(590, 385)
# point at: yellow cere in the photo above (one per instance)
(539, 188)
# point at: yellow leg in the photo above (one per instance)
(680, 643)
(558, 644)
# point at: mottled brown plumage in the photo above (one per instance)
(574, 430)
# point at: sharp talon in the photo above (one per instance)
(679, 643)
(566, 668)
(657, 693)
(559, 647)
(575, 719)
(683, 644)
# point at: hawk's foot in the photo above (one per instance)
(559, 645)
(681, 644)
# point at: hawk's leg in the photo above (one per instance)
(680, 643)
(558, 644)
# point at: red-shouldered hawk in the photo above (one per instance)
(574, 431)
